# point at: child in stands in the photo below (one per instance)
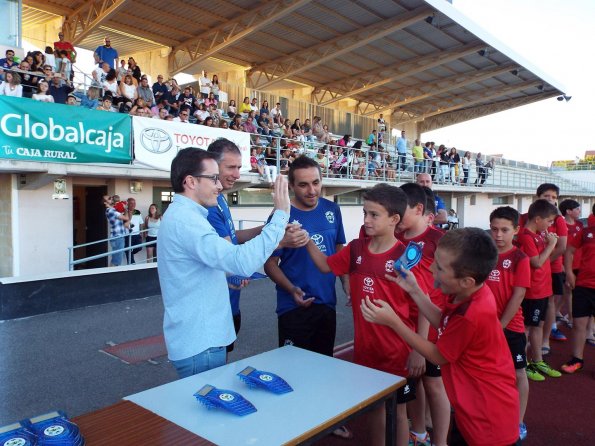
(539, 248)
(471, 348)
(509, 282)
(414, 227)
(367, 260)
(583, 295)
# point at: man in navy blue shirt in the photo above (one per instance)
(7, 63)
(306, 298)
(424, 179)
(230, 163)
(106, 53)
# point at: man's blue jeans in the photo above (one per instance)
(117, 243)
(209, 359)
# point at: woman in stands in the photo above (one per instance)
(134, 69)
(232, 109)
(344, 142)
(140, 108)
(296, 130)
(11, 85)
(264, 108)
(466, 166)
(236, 123)
(128, 92)
(391, 167)
(152, 223)
(42, 92)
(201, 113)
(454, 162)
(208, 122)
(38, 61)
(245, 106)
(210, 100)
(287, 133)
(223, 124)
(479, 166)
(111, 84)
(215, 87)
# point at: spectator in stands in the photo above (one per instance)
(118, 231)
(245, 106)
(170, 101)
(136, 71)
(11, 85)
(322, 161)
(62, 44)
(201, 114)
(99, 73)
(122, 71)
(232, 109)
(307, 130)
(38, 61)
(249, 126)
(339, 165)
(381, 124)
(128, 93)
(89, 100)
(296, 130)
(264, 123)
(254, 106)
(111, 84)
(106, 53)
(402, 151)
(344, 142)
(223, 124)
(372, 138)
(452, 220)
(162, 113)
(418, 157)
(183, 115)
(210, 100)
(454, 160)
(208, 122)
(287, 132)
(134, 80)
(152, 223)
(204, 85)
(215, 114)
(215, 87)
(255, 165)
(236, 123)
(145, 92)
(317, 129)
(71, 100)
(443, 174)
(427, 158)
(481, 171)
(59, 89)
(136, 226)
(8, 61)
(390, 167)
(106, 104)
(425, 180)
(140, 108)
(64, 66)
(276, 111)
(48, 73)
(466, 166)
(159, 89)
(264, 108)
(187, 99)
(28, 80)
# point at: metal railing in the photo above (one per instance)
(72, 262)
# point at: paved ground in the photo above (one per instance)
(52, 361)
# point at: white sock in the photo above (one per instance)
(420, 436)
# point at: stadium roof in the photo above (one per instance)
(419, 60)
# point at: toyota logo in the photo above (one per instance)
(368, 281)
(155, 140)
(317, 239)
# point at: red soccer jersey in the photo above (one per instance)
(375, 346)
(591, 220)
(533, 245)
(479, 377)
(558, 227)
(512, 270)
(66, 46)
(574, 230)
(586, 270)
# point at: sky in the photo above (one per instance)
(556, 36)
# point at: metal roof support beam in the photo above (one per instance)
(48, 6)
(212, 41)
(424, 91)
(488, 96)
(87, 17)
(349, 87)
(318, 54)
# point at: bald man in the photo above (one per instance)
(424, 179)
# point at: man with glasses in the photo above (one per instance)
(193, 261)
(105, 53)
(183, 115)
(62, 44)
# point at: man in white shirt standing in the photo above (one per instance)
(136, 225)
(205, 85)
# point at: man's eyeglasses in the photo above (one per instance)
(213, 178)
(183, 114)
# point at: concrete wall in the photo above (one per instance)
(6, 239)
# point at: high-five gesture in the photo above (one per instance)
(281, 194)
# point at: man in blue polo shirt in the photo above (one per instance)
(106, 53)
(424, 179)
(402, 151)
(306, 298)
(230, 163)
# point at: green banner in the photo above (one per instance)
(40, 131)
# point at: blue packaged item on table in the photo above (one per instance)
(237, 280)
(17, 434)
(410, 258)
(265, 380)
(214, 398)
(54, 429)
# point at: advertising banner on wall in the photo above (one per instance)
(157, 142)
(39, 131)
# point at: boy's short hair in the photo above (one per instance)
(301, 162)
(568, 205)
(541, 208)
(391, 198)
(507, 213)
(430, 207)
(415, 195)
(547, 186)
(475, 251)
(188, 161)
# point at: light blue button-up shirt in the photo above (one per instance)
(192, 264)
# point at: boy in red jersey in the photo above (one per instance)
(509, 282)
(538, 248)
(367, 260)
(471, 348)
(414, 227)
(551, 192)
(583, 295)
(571, 211)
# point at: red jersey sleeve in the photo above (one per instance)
(522, 275)
(527, 245)
(455, 338)
(339, 263)
(559, 227)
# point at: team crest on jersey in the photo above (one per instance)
(494, 276)
(358, 260)
(330, 216)
(368, 285)
(389, 266)
(506, 263)
(590, 235)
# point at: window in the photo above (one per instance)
(251, 197)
